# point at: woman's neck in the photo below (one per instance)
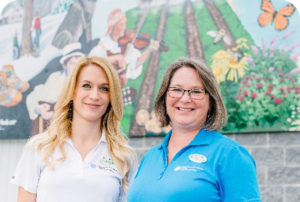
(181, 137)
(85, 131)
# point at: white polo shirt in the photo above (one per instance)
(95, 179)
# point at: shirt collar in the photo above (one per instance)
(204, 137)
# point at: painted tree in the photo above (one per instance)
(26, 44)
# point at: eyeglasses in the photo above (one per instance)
(195, 94)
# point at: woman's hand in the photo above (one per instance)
(25, 196)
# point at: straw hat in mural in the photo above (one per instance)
(70, 50)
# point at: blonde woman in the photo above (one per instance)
(83, 155)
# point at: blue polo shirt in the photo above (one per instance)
(211, 168)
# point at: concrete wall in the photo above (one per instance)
(277, 156)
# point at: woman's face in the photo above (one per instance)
(184, 112)
(120, 27)
(91, 96)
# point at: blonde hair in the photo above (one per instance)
(60, 129)
(218, 112)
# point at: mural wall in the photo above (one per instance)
(253, 48)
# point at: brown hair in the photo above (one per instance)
(218, 113)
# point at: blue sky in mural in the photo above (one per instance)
(248, 12)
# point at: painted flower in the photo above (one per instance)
(273, 39)
(280, 74)
(270, 86)
(241, 98)
(292, 47)
(263, 46)
(259, 85)
(249, 85)
(295, 71)
(220, 55)
(273, 46)
(253, 95)
(237, 69)
(282, 79)
(258, 79)
(278, 101)
(272, 96)
(271, 69)
(287, 34)
(281, 50)
(282, 89)
(245, 93)
(220, 73)
(294, 57)
(237, 97)
(271, 55)
(255, 50)
(288, 89)
(279, 69)
(250, 59)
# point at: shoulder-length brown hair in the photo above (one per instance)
(218, 113)
(60, 129)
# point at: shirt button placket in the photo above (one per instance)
(163, 172)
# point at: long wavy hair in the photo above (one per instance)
(60, 128)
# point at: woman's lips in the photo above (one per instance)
(92, 106)
(185, 109)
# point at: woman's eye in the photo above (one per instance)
(104, 89)
(177, 89)
(196, 92)
(86, 85)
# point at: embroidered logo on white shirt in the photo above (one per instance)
(106, 161)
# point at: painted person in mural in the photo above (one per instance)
(38, 32)
(194, 162)
(125, 57)
(40, 102)
(83, 156)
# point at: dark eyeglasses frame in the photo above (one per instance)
(205, 91)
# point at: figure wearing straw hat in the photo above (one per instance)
(40, 102)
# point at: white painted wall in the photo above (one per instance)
(10, 153)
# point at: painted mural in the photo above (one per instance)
(253, 48)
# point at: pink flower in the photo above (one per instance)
(255, 50)
(270, 89)
(287, 34)
(265, 80)
(273, 46)
(265, 54)
(270, 86)
(271, 55)
(295, 71)
(278, 101)
(288, 89)
(282, 49)
(254, 95)
(259, 85)
(280, 74)
(294, 57)
(292, 47)
(271, 69)
(273, 39)
(263, 46)
(249, 59)
(251, 78)
(258, 79)
(282, 89)
(240, 89)
(249, 85)
(296, 91)
(237, 97)
(241, 98)
(279, 69)
(262, 71)
(244, 81)
(272, 96)
(267, 92)
(282, 79)
(246, 93)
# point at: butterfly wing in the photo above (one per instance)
(266, 17)
(280, 20)
(226, 39)
(266, 5)
(287, 10)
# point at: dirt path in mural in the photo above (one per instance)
(193, 41)
(146, 94)
(220, 22)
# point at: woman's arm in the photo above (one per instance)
(25, 196)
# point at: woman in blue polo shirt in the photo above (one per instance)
(194, 162)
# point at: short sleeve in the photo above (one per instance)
(237, 176)
(28, 171)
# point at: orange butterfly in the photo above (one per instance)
(279, 18)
